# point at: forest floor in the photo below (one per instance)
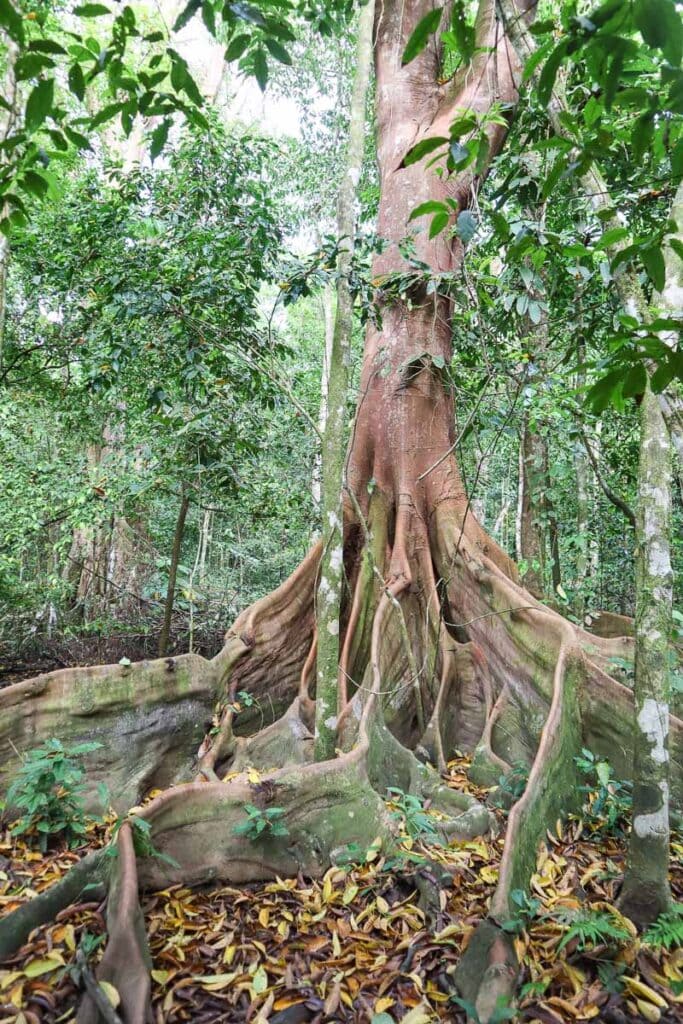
(356, 946)
(48, 654)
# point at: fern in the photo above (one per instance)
(592, 928)
(667, 931)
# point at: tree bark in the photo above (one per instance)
(533, 461)
(164, 636)
(646, 891)
(329, 595)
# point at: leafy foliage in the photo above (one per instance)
(591, 928)
(526, 908)
(667, 931)
(513, 783)
(49, 789)
(262, 823)
(409, 810)
(608, 804)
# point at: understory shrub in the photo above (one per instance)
(49, 789)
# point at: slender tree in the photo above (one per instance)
(329, 593)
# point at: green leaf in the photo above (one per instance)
(642, 133)
(46, 46)
(466, 225)
(605, 391)
(653, 261)
(677, 246)
(35, 182)
(261, 68)
(431, 206)
(635, 381)
(423, 148)
(660, 25)
(39, 104)
(237, 46)
(278, 51)
(188, 12)
(159, 137)
(611, 237)
(76, 81)
(12, 21)
(439, 222)
(29, 65)
(554, 175)
(425, 28)
(546, 81)
(91, 10)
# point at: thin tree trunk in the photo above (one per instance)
(329, 592)
(646, 888)
(530, 512)
(646, 891)
(328, 316)
(173, 572)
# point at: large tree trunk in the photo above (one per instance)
(440, 645)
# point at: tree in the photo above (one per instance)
(646, 893)
(329, 592)
(440, 645)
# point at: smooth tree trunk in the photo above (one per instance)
(329, 593)
(531, 518)
(165, 634)
(646, 891)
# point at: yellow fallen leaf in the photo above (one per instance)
(264, 917)
(373, 849)
(564, 1005)
(161, 977)
(420, 1014)
(650, 1013)
(111, 993)
(382, 905)
(383, 1004)
(350, 893)
(643, 991)
(38, 967)
(214, 982)
(489, 874)
(253, 776)
(229, 954)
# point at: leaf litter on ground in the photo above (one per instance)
(358, 945)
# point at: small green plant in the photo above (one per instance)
(513, 783)
(142, 840)
(607, 805)
(49, 789)
(591, 928)
(612, 976)
(534, 989)
(262, 823)
(667, 931)
(410, 811)
(525, 909)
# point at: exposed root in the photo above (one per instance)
(127, 962)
